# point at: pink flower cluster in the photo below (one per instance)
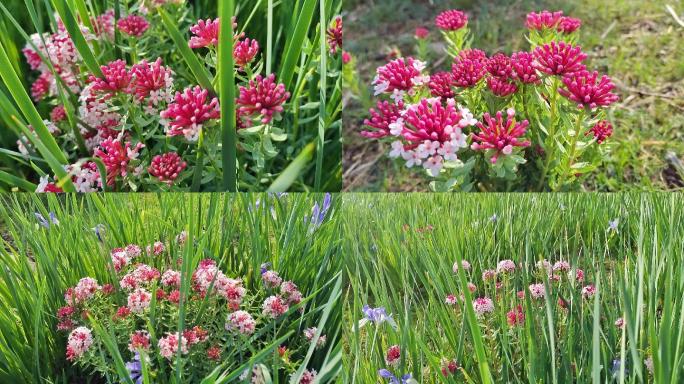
(263, 98)
(500, 137)
(189, 111)
(545, 20)
(399, 76)
(432, 133)
(171, 343)
(207, 273)
(133, 25)
(451, 20)
(80, 340)
(334, 35)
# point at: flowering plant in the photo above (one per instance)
(166, 322)
(531, 120)
(132, 103)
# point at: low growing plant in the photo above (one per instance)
(531, 121)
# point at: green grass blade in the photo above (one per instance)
(292, 172)
(227, 91)
(294, 46)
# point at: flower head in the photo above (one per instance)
(167, 167)
(505, 266)
(153, 81)
(583, 89)
(499, 136)
(499, 65)
(139, 340)
(482, 306)
(274, 306)
(501, 87)
(189, 110)
(245, 51)
(516, 316)
(171, 343)
(451, 20)
(310, 333)
(334, 35)
(469, 68)
(588, 291)
(139, 300)
(206, 33)
(601, 131)
(262, 97)
(393, 356)
(86, 288)
(543, 20)
(537, 291)
(434, 133)
(241, 322)
(522, 65)
(116, 78)
(80, 340)
(399, 75)
(116, 157)
(559, 58)
(568, 25)
(422, 33)
(464, 264)
(133, 25)
(440, 85)
(382, 117)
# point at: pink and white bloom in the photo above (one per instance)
(537, 291)
(262, 97)
(189, 112)
(498, 136)
(86, 289)
(274, 306)
(464, 264)
(80, 340)
(482, 306)
(400, 75)
(171, 278)
(588, 291)
(241, 322)
(171, 343)
(505, 266)
(139, 300)
(271, 279)
(393, 356)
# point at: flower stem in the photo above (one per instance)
(548, 143)
(573, 146)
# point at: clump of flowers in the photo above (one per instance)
(123, 106)
(234, 316)
(445, 121)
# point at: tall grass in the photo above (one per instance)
(637, 271)
(241, 231)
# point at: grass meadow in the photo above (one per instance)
(49, 244)
(606, 305)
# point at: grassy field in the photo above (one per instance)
(628, 248)
(239, 232)
(637, 43)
